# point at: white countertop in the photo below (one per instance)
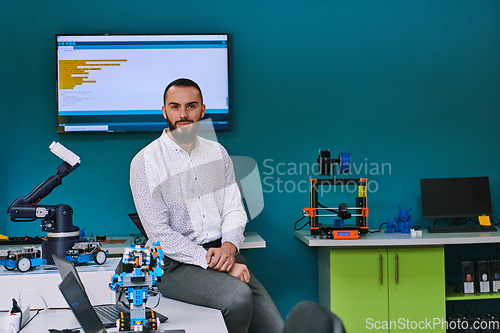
(191, 318)
(399, 239)
(253, 241)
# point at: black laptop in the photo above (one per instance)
(108, 313)
(137, 221)
(80, 305)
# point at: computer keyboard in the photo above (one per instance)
(463, 228)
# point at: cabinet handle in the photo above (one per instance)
(397, 269)
(380, 267)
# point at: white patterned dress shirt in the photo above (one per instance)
(185, 201)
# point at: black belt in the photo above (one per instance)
(215, 243)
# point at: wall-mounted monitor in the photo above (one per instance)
(115, 83)
(455, 197)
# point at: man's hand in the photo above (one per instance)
(241, 272)
(222, 258)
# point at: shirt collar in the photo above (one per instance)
(173, 145)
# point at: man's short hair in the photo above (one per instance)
(182, 83)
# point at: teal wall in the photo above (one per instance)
(410, 84)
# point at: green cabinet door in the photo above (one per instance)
(417, 288)
(358, 279)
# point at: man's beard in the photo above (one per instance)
(184, 134)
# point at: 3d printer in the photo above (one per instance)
(343, 212)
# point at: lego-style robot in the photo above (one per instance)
(84, 252)
(136, 286)
(24, 259)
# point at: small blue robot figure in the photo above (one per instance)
(402, 224)
(136, 286)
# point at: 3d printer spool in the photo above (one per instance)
(344, 163)
(324, 162)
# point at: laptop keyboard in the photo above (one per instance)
(110, 312)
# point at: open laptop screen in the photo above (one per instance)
(80, 305)
(65, 267)
(137, 221)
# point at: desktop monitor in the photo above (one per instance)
(455, 198)
(115, 83)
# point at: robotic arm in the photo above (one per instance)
(57, 220)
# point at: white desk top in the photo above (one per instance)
(191, 318)
(399, 239)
